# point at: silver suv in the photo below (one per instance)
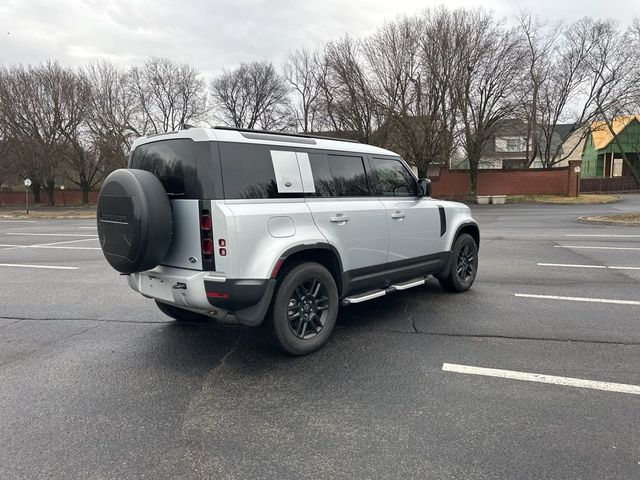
(243, 225)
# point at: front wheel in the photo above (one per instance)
(304, 309)
(463, 265)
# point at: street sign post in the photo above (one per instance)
(27, 184)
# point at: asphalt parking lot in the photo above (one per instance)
(97, 383)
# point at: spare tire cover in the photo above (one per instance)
(134, 218)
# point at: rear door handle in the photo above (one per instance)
(398, 215)
(339, 218)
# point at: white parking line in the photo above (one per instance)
(51, 234)
(49, 245)
(18, 221)
(596, 248)
(600, 235)
(578, 299)
(541, 378)
(17, 247)
(53, 267)
(89, 228)
(569, 265)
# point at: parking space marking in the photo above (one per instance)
(51, 234)
(18, 221)
(596, 248)
(542, 378)
(89, 228)
(578, 299)
(53, 267)
(17, 247)
(568, 265)
(600, 235)
(12, 246)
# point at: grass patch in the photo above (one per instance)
(587, 199)
(626, 219)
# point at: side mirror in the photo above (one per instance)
(424, 187)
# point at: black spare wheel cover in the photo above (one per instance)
(135, 223)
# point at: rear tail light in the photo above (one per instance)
(207, 247)
(221, 295)
(205, 222)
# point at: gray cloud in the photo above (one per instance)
(215, 34)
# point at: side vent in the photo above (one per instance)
(443, 220)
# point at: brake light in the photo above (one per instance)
(205, 222)
(222, 295)
(207, 247)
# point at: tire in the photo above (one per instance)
(180, 314)
(304, 309)
(463, 265)
(135, 222)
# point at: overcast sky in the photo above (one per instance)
(213, 34)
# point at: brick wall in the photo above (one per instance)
(71, 197)
(529, 181)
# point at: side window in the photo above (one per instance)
(393, 179)
(349, 177)
(322, 178)
(247, 172)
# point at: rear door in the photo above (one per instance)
(350, 217)
(189, 172)
(414, 222)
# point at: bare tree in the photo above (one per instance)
(488, 89)
(302, 70)
(347, 95)
(169, 95)
(411, 61)
(615, 67)
(253, 95)
(113, 115)
(35, 112)
(80, 146)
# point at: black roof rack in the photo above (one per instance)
(285, 134)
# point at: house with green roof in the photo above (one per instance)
(602, 154)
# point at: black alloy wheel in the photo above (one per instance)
(308, 308)
(463, 266)
(304, 308)
(466, 263)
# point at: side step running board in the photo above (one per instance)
(380, 293)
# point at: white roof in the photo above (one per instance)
(220, 135)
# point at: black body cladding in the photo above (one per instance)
(134, 220)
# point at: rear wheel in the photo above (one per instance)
(304, 309)
(180, 314)
(463, 266)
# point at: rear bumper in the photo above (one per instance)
(207, 292)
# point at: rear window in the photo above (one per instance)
(184, 167)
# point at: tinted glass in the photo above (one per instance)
(322, 178)
(393, 179)
(247, 172)
(175, 163)
(348, 176)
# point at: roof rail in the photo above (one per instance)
(285, 134)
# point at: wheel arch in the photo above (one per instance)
(467, 227)
(323, 253)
